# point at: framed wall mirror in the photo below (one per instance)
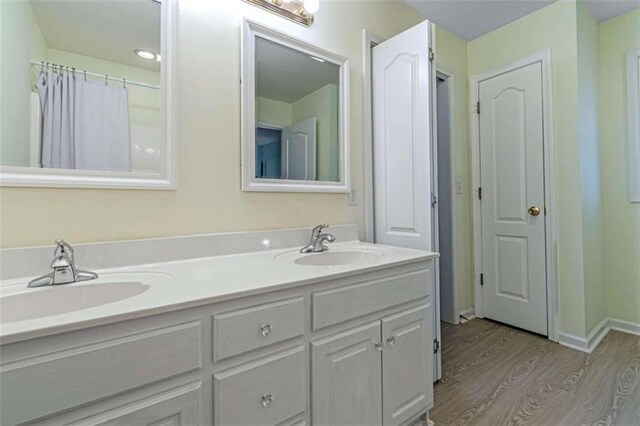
(295, 123)
(88, 94)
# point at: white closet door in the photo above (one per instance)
(512, 180)
(299, 150)
(401, 77)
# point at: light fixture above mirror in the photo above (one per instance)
(299, 11)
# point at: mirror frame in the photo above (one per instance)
(250, 31)
(166, 179)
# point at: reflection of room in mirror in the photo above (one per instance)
(268, 152)
(298, 94)
(83, 96)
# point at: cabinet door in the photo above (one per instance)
(407, 363)
(346, 378)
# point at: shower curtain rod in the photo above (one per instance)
(93, 74)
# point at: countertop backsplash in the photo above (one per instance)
(32, 261)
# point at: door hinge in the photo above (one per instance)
(434, 200)
(479, 193)
(478, 107)
(432, 55)
(481, 279)
(436, 345)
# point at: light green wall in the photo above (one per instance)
(592, 216)
(553, 27)
(622, 218)
(599, 242)
(322, 104)
(209, 198)
(20, 42)
(274, 112)
(451, 54)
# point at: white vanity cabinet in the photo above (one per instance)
(350, 368)
(355, 348)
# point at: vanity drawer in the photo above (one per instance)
(178, 406)
(269, 391)
(251, 328)
(53, 382)
(345, 303)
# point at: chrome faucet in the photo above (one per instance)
(316, 245)
(64, 269)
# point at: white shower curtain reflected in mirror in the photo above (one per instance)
(84, 123)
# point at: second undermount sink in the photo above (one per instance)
(332, 257)
(66, 298)
(329, 258)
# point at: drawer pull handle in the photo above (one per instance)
(391, 340)
(266, 330)
(379, 346)
(267, 399)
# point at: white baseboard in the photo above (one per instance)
(597, 334)
(591, 342)
(624, 326)
(469, 314)
(573, 342)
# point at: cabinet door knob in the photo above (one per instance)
(379, 346)
(266, 329)
(267, 399)
(391, 340)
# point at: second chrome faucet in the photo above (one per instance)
(316, 245)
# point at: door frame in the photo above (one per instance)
(544, 58)
(369, 41)
(446, 74)
(269, 126)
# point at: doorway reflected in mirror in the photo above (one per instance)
(296, 93)
(268, 152)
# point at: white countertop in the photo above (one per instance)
(188, 283)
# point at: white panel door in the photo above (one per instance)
(513, 214)
(299, 150)
(401, 78)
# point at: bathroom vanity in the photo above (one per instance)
(267, 338)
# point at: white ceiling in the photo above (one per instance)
(607, 9)
(470, 19)
(105, 29)
(287, 75)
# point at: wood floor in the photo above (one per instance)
(496, 375)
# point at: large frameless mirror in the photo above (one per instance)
(88, 93)
(294, 115)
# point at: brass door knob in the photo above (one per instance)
(534, 210)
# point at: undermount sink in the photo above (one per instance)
(65, 298)
(330, 258)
